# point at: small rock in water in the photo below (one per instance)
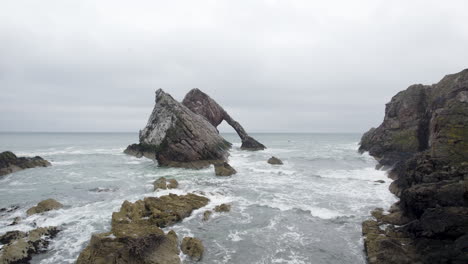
(206, 215)
(192, 247)
(16, 221)
(173, 183)
(224, 169)
(222, 208)
(44, 206)
(164, 184)
(380, 181)
(275, 161)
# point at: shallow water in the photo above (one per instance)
(307, 211)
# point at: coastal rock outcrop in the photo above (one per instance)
(177, 137)
(424, 138)
(224, 169)
(44, 206)
(275, 161)
(18, 247)
(10, 163)
(136, 235)
(192, 247)
(200, 103)
(163, 184)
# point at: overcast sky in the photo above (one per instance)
(275, 66)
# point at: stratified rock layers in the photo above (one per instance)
(424, 137)
(175, 136)
(202, 104)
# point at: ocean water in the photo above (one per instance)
(307, 211)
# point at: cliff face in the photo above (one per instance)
(175, 136)
(424, 137)
(200, 103)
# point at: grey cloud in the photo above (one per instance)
(278, 66)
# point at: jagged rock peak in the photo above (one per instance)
(202, 104)
(175, 136)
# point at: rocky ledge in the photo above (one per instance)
(10, 163)
(136, 235)
(424, 140)
(177, 137)
(200, 103)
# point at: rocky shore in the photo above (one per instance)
(10, 163)
(424, 141)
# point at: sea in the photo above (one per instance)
(308, 210)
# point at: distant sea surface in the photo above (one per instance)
(307, 211)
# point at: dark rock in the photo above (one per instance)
(275, 161)
(224, 169)
(222, 208)
(136, 235)
(380, 181)
(192, 247)
(200, 103)
(206, 215)
(163, 184)
(44, 206)
(177, 137)
(21, 246)
(10, 163)
(16, 221)
(424, 136)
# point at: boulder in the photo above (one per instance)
(177, 137)
(44, 206)
(10, 163)
(206, 215)
(19, 246)
(222, 208)
(224, 169)
(275, 161)
(424, 138)
(136, 235)
(202, 104)
(192, 247)
(163, 184)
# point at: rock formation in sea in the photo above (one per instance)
(136, 235)
(424, 139)
(10, 163)
(202, 104)
(19, 247)
(177, 137)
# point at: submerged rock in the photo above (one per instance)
(163, 184)
(206, 215)
(177, 137)
(200, 103)
(19, 246)
(192, 247)
(136, 235)
(222, 208)
(224, 169)
(44, 206)
(275, 161)
(10, 163)
(424, 137)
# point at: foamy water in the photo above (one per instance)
(307, 211)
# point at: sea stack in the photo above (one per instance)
(424, 137)
(177, 137)
(200, 103)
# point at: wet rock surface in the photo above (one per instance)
(424, 137)
(222, 208)
(224, 169)
(162, 183)
(192, 247)
(177, 137)
(136, 235)
(275, 161)
(44, 206)
(19, 247)
(202, 104)
(10, 163)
